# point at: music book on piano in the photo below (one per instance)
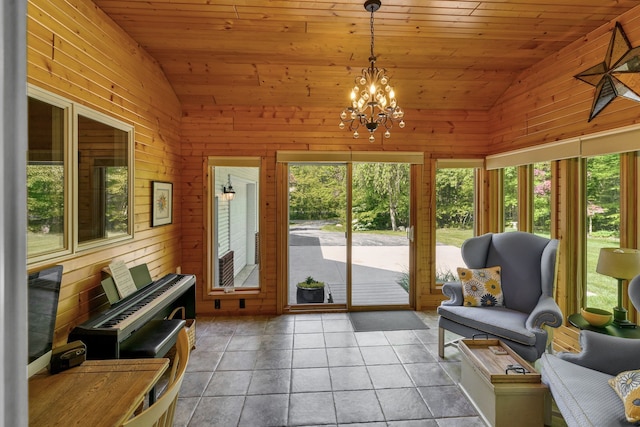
(122, 278)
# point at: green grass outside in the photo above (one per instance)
(41, 243)
(602, 291)
(452, 236)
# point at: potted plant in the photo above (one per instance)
(310, 291)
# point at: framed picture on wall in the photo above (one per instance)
(161, 203)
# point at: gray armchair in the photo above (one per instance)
(528, 264)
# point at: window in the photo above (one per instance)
(455, 218)
(510, 198)
(47, 231)
(603, 225)
(598, 209)
(103, 179)
(234, 237)
(79, 178)
(542, 198)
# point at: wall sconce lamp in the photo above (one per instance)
(621, 264)
(228, 193)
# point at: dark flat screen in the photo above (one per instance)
(44, 291)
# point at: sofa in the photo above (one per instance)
(579, 381)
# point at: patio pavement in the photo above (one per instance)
(379, 263)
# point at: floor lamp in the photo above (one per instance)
(621, 264)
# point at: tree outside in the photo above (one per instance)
(455, 189)
(542, 198)
(380, 194)
(317, 192)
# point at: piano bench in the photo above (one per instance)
(154, 339)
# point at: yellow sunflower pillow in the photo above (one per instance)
(481, 287)
(627, 385)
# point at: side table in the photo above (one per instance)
(579, 322)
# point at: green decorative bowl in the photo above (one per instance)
(596, 317)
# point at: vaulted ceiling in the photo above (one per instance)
(442, 54)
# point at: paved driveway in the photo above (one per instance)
(379, 263)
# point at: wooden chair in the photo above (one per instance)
(160, 414)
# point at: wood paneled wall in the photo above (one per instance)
(76, 51)
(212, 130)
(546, 103)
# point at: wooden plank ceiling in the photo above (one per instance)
(439, 54)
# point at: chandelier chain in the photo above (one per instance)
(372, 58)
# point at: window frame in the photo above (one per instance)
(81, 110)
(585, 171)
(67, 107)
(477, 165)
(210, 290)
(71, 110)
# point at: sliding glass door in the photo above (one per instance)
(317, 233)
(381, 230)
(349, 234)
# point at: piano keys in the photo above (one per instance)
(106, 332)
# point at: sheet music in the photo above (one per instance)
(122, 278)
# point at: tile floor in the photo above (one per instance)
(313, 369)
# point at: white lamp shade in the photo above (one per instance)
(619, 263)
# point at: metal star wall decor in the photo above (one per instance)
(617, 75)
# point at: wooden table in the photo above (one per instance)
(96, 393)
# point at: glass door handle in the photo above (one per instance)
(410, 233)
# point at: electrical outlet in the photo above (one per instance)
(242, 303)
(216, 304)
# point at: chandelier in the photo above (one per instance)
(373, 101)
